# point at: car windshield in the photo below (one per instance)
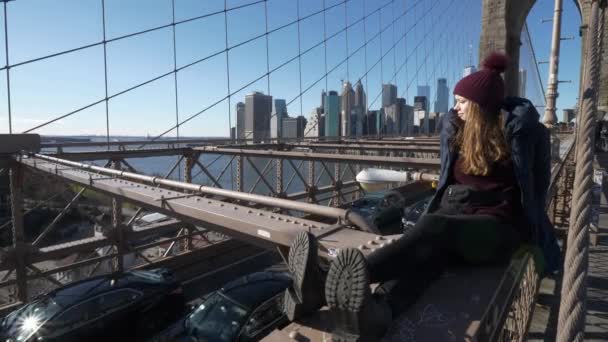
(217, 319)
(25, 322)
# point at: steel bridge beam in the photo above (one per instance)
(418, 163)
(259, 227)
(99, 155)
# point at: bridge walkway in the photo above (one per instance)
(544, 322)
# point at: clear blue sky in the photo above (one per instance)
(436, 34)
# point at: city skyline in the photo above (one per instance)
(199, 99)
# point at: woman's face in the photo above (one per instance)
(462, 107)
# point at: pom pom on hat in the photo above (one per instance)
(486, 87)
(496, 61)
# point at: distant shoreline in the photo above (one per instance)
(96, 138)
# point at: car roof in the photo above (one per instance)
(75, 292)
(256, 288)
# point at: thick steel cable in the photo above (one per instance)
(535, 61)
(365, 60)
(175, 85)
(267, 47)
(300, 54)
(405, 50)
(346, 42)
(571, 322)
(105, 71)
(8, 77)
(381, 53)
(394, 39)
(325, 49)
(228, 75)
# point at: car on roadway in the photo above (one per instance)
(382, 209)
(130, 306)
(412, 213)
(243, 310)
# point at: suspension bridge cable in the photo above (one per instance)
(363, 46)
(300, 54)
(535, 61)
(353, 53)
(175, 87)
(228, 75)
(170, 72)
(277, 68)
(8, 76)
(105, 71)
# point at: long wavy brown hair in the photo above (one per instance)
(481, 141)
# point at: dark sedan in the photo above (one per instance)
(245, 309)
(126, 307)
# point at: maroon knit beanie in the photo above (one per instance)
(486, 87)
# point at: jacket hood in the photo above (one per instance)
(521, 113)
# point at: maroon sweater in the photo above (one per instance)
(501, 178)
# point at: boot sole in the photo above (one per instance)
(301, 298)
(347, 290)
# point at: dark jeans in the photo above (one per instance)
(437, 241)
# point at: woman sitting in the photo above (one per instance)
(488, 203)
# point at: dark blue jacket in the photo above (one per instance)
(531, 154)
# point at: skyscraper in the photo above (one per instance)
(361, 108)
(240, 120)
(420, 103)
(314, 124)
(568, 115)
(389, 94)
(323, 95)
(290, 128)
(523, 77)
(276, 121)
(301, 125)
(443, 97)
(468, 70)
(258, 109)
(332, 114)
(425, 90)
(348, 102)
(392, 114)
(372, 122)
(406, 121)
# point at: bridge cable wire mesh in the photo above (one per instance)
(571, 321)
(173, 72)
